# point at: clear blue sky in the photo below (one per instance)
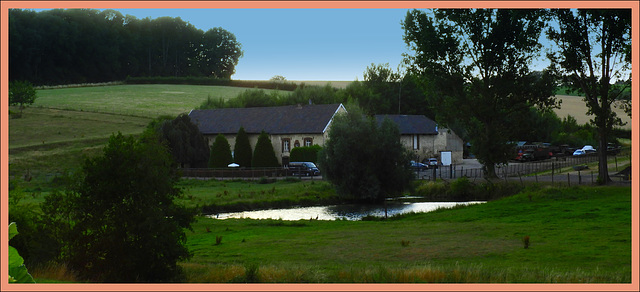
(302, 44)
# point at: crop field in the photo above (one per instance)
(575, 106)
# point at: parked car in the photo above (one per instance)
(613, 149)
(586, 150)
(418, 166)
(303, 168)
(433, 163)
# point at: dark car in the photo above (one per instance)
(303, 169)
(418, 166)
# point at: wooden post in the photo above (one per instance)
(568, 179)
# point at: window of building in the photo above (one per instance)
(286, 142)
(416, 142)
(296, 144)
(308, 142)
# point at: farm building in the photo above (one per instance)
(287, 126)
(305, 125)
(422, 136)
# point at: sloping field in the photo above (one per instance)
(576, 107)
(146, 100)
(571, 105)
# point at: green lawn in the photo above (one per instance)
(148, 100)
(577, 235)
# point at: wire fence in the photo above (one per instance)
(570, 170)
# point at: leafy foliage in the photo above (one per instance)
(89, 45)
(21, 93)
(118, 221)
(17, 270)
(220, 153)
(264, 155)
(595, 53)
(305, 153)
(242, 152)
(187, 145)
(365, 162)
(475, 64)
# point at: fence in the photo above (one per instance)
(578, 173)
(241, 173)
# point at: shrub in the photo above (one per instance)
(220, 153)
(306, 153)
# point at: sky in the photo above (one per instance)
(302, 44)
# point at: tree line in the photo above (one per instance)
(64, 46)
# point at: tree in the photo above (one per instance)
(594, 51)
(475, 63)
(186, 144)
(242, 152)
(264, 155)
(118, 221)
(220, 153)
(21, 93)
(365, 162)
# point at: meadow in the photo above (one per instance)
(577, 235)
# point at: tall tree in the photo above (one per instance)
(365, 161)
(242, 152)
(220, 153)
(186, 144)
(118, 222)
(263, 154)
(476, 65)
(594, 51)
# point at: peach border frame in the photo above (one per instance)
(5, 5)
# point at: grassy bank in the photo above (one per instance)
(577, 235)
(214, 196)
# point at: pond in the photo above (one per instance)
(342, 212)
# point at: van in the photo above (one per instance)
(303, 169)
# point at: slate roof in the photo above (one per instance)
(294, 119)
(411, 124)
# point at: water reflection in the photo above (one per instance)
(344, 212)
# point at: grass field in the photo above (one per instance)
(577, 235)
(139, 100)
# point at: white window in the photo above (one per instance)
(308, 142)
(416, 142)
(285, 145)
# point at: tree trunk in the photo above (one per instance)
(603, 168)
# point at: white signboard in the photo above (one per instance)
(445, 157)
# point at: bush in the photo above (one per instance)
(306, 153)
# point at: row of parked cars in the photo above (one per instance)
(541, 151)
(427, 163)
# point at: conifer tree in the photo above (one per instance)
(264, 155)
(220, 153)
(242, 149)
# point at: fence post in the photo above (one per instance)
(579, 178)
(568, 179)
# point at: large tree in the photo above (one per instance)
(476, 66)
(594, 52)
(187, 145)
(365, 161)
(118, 222)
(263, 154)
